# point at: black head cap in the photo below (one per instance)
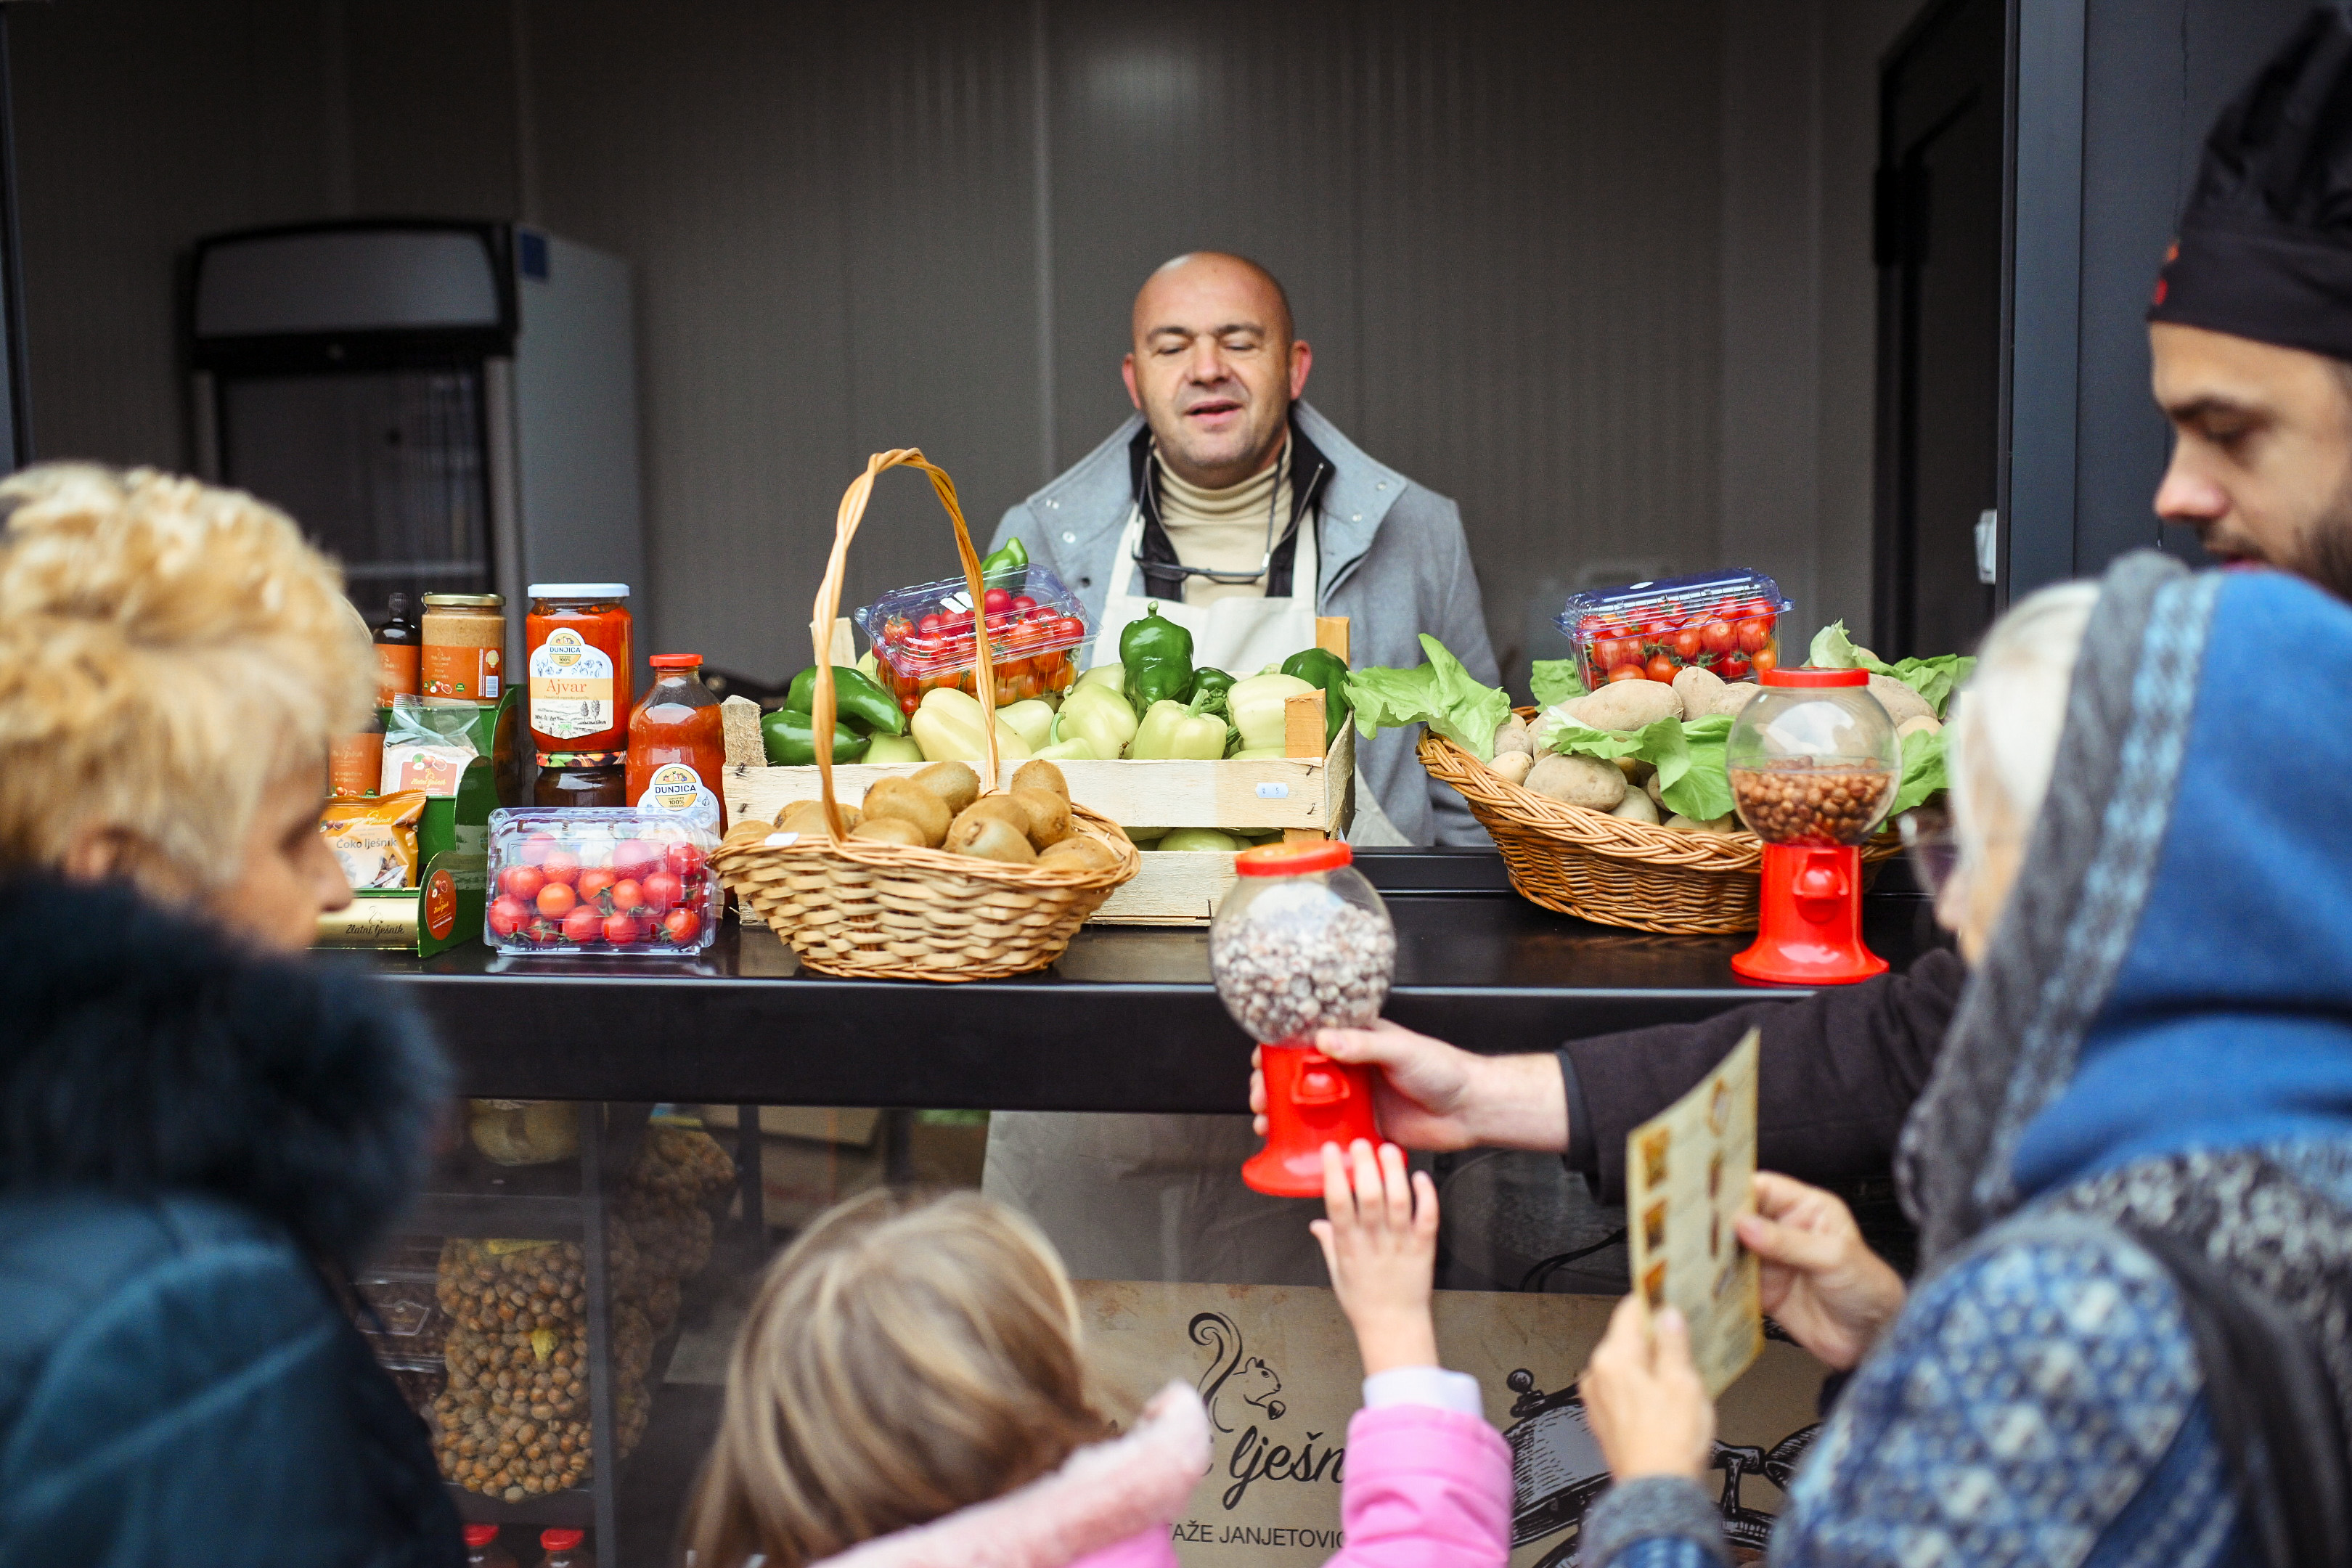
(2266, 245)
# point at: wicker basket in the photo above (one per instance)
(1606, 868)
(889, 911)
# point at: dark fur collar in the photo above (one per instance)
(142, 1053)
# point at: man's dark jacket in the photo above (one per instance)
(1839, 1073)
(195, 1145)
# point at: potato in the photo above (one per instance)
(808, 816)
(1079, 852)
(1636, 807)
(1512, 766)
(990, 838)
(1700, 690)
(1721, 825)
(1048, 813)
(954, 783)
(1626, 705)
(892, 830)
(1922, 725)
(1511, 735)
(910, 802)
(1736, 695)
(1580, 781)
(1041, 775)
(1900, 701)
(1636, 769)
(1655, 791)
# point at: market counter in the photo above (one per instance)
(1126, 1021)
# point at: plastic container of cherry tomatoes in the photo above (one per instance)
(616, 879)
(925, 636)
(1728, 621)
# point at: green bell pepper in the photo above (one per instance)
(1096, 715)
(791, 741)
(1211, 684)
(1008, 567)
(1174, 730)
(1321, 667)
(1154, 636)
(1151, 680)
(855, 700)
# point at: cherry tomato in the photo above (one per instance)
(619, 930)
(1718, 636)
(661, 890)
(633, 858)
(1687, 643)
(1069, 628)
(523, 882)
(583, 924)
(556, 900)
(1663, 668)
(538, 847)
(595, 881)
(544, 933)
(1732, 669)
(1765, 660)
(679, 925)
(561, 865)
(931, 625)
(686, 859)
(1611, 652)
(1753, 635)
(510, 915)
(996, 599)
(1628, 672)
(627, 895)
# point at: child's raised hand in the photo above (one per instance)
(1380, 1242)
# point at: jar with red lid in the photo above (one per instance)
(582, 665)
(676, 727)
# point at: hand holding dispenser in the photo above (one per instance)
(1303, 944)
(1813, 762)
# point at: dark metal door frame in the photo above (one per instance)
(16, 415)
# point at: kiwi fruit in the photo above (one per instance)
(1079, 853)
(910, 802)
(808, 816)
(1002, 807)
(891, 830)
(1048, 813)
(990, 838)
(1041, 775)
(954, 783)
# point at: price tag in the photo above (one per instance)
(1274, 791)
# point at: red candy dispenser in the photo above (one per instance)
(1814, 762)
(1303, 944)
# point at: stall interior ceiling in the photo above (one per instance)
(1601, 272)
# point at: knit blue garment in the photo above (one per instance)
(2230, 1021)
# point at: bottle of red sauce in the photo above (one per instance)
(676, 726)
(582, 665)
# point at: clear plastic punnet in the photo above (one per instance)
(925, 636)
(1725, 621)
(1301, 943)
(602, 879)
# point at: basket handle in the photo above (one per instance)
(828, 606)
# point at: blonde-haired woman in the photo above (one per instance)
(200, 1135)
(909, 1392)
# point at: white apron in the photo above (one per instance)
(1160, 1197)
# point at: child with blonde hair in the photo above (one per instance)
(909, 1390)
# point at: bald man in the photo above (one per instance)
(1244, 514)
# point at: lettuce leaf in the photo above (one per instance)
(1688, 756)
(1923, 770)
(1441, 694)
(1935, 679)
(1555, 681)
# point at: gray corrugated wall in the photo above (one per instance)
(1504, 226)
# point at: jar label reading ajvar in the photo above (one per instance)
(673, 788)
(571, 687)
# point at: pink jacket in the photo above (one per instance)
(1425, 1488)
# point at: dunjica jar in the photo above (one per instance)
(1301, 943)
(1813, 762)
(675, 738)
(582, 665)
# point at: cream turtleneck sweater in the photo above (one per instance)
(1224, 529)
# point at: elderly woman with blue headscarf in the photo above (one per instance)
(2131, 1338)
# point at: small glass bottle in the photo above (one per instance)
(565, 1548)
(483, 1551)
(399, 649)
(581, 778)
(678, 724)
